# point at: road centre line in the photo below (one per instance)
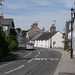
(35, 56)
(14, 69)
(28, 54)
(5, 64)
(30, 60)
(38, 53)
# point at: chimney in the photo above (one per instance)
(52, 28)
(34, 25)
(43, 29)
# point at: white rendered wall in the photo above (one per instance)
(57, 38)
(73, 38)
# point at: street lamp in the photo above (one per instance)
(72, 17)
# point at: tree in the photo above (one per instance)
(3, 42)
(1, 2)
(23, 32)
(12, 39)
(18, 29)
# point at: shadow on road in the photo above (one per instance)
(12, 57)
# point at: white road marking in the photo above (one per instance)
(57, 59)
(30, 60)
(38, 53)
(5, 64)
(46, 59)
(28, 54)
(14, 69)
(36, 59)
(9, 62)
(51, 58)
(39, 58)
(42, 58)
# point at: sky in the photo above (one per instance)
(26, 12)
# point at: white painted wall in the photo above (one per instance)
(46, 43)
(57, 38)
(41, 43)
(69, 35)
(36, 43)
(73, 38)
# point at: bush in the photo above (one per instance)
(69, 49)
(3, 43)
(13, 45)
(12, 40)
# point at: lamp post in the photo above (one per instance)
(72, 17)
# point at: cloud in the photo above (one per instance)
(43, 11)
(42, 2)
(44, 20)
(67, 3)
(15, 5)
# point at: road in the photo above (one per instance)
(40, 61)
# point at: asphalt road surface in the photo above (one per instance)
(40, 61)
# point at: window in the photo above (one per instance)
(54, 43)
(63, 36)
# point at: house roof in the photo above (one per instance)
(36, 36)
(38, 29)
(6, 21)
(46, 35)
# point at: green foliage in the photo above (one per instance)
(69, 49)
(24, 32)
(13, 32)
(1, 2)
(9, 42)
(2, 38)
(66, 43)
(12, 39)
(12, 45)
(12, 52)
(3, 42)
(19, 30)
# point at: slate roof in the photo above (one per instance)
(36, 36)
(34, 28)
(6, 21)
(46, 35)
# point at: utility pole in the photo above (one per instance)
(72, 18)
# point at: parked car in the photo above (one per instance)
(30, 46)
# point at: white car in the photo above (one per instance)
(30, 46)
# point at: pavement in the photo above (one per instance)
(66, 65)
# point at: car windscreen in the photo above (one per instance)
(30, 44)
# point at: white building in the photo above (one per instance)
(50, 40)
(73, 38)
